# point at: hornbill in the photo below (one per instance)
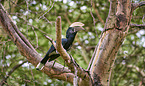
(66, 43)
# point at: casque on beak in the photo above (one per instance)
(78, 29)
(77, 26)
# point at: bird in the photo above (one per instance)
(66, 43)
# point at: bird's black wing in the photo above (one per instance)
(52, 53)
(55, 54)
(66, 44)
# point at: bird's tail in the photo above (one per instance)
(39, 66)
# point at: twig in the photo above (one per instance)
(66, 17)
(83, 50)
(136, 5)
(92, 58)
(5, 41)
(75, 82)
(98, 15)
(29, 53)
(78, 17)
(141, 26)
(17, 31)
(47, 11)
(51, 40)
(36, 37)
(143, 19)
(94, 20)
(27, 16)
(10, 72)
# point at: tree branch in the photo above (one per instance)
(98, 15)
(141, 26)
(57, 71)
(59, 46)
(83, 50)
(66, 17)
(136, 5)
(18, 32)
(111, 16)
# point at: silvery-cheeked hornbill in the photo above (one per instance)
(66, 42)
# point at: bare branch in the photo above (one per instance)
(59, 46)
(66, 17)
(51, 40)
(75, 83)
(115, 30)
(113, 5)
(47, 11)
(92, 58)
(141, 26)
(136, 5)
(3, 81)
(98, 15)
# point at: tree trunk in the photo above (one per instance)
(115, 30)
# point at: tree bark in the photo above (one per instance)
(115, 30)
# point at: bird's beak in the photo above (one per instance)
(78, 29)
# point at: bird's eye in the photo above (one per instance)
(73, 30)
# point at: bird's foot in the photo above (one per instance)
(39, 66)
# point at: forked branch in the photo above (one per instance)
(136, 5)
